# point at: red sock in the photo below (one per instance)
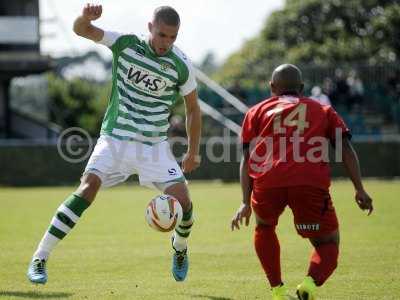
(268, 251)
(323, 262)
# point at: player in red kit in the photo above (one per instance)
(285, 163)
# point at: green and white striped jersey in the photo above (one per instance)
(144, 86)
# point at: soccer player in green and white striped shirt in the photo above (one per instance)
(148, 75)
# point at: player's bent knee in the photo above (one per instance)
(90, 184)
(331, 238)
(261, 222)
(181, 193)
(264, 227)
(264, 231)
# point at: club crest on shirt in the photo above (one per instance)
(164, 67)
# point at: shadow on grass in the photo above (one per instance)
(34, 295)
(224, 298)
(210, 297)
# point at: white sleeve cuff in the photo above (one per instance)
(109, 38)
(190, 85)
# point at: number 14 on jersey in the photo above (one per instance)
(297, 117)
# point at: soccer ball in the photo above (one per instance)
(164, 213)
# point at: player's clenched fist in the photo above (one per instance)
(92, 12)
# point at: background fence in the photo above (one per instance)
(39, 165)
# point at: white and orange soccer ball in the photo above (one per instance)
(164, 213)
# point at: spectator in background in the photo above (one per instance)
(356, 89)
(319, 96)
(393, 84)
(341, 90)
(393, 91)
(328, 88)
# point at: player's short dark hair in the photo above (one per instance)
(288, 77)
(166, 15)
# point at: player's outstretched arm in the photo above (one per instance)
(352, 165)
(83, 26)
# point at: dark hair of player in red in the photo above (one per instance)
(286, 80)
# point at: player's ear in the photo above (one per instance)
(150, 26)
(272, 87)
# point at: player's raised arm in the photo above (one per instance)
(83, 26)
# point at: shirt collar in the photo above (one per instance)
(147, 39)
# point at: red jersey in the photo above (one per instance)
(289, 140)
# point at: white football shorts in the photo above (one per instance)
(115, 160)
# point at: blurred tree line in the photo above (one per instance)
(319, 33)
(77, 102)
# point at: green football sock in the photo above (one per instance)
(183, 230)
(67, 215)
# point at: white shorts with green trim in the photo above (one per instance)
(113, 161)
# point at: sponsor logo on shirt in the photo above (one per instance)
(146, 81)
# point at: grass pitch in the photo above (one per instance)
(113, 254)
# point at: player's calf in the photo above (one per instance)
(323, 262)
(324, 258)
(180, 192)
(90, 185)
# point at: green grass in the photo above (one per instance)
(113, 254)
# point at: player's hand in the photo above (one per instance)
(92, 12)
(364, 201)
(190, 162)
(244, 212)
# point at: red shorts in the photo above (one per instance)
(313, 211)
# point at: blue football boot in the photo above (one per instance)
(180, 264)
(37, 271)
